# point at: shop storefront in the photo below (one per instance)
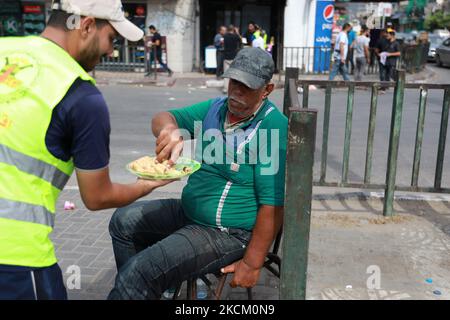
(268, 14)
(18, 18)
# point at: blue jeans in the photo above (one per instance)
(339, 67)
(156, 248)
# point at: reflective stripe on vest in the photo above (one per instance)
(33, 166)
(26, 212)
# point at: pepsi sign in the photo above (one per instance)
(322, 35)
(328, 13)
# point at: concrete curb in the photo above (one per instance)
(371, 195)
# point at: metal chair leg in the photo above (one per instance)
(250, 293)
(191, 289)
(220, 285)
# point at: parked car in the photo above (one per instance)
(435, 41)
(443, 53)
(442, 33)
(405, 38)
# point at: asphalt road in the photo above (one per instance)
(132, 107)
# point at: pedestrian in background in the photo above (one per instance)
(361, 52)
(340, 53)
(218, 44)
(392, 55)
(249, 34)
(258, 42)
(351, 43)
(381, 46)
(232, 43)
(156, 52)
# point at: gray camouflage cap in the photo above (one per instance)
(252, 66)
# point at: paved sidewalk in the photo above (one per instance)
(348, 235)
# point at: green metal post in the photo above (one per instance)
(419, 136)
(348, 132)
(326, 127)
(442, 139)
(394, 138)
(297, 207)
(291, 73)
(305, 101)
(371, 134)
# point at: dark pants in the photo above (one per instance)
(383, 72)
(219, 60)
(391, 73)
(38, 284)
(360, 68)
(387, 72)
(152, 64)
(350, 62)
(156, 248)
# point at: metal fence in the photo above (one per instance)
(125, 58)
(318, 60)
(414, 57)
(389, 186)
(300, 161)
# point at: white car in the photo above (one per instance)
(443, 53)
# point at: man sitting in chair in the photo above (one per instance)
(230, 210)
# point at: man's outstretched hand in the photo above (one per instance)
(244, 276)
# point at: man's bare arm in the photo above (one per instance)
(341, 48)
(268, 223)
(98, 192)
(247, 270)
(367, 53)
(394, 54)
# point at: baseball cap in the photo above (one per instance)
(252, 66)
(111, 10)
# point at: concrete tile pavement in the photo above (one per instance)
(347, 237)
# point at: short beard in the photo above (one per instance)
(90, 56)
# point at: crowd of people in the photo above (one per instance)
(228, 41)
(352, 51)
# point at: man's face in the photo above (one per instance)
(251, 27)
(223, 30)
(244, 101)
(152, 31)
(95, 43)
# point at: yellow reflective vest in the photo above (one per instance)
(35, 75)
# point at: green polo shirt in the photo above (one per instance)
(227, 193)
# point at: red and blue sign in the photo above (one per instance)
(322, 35)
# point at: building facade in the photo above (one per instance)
(189, 26)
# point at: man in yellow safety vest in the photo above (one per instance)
(53, 119)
